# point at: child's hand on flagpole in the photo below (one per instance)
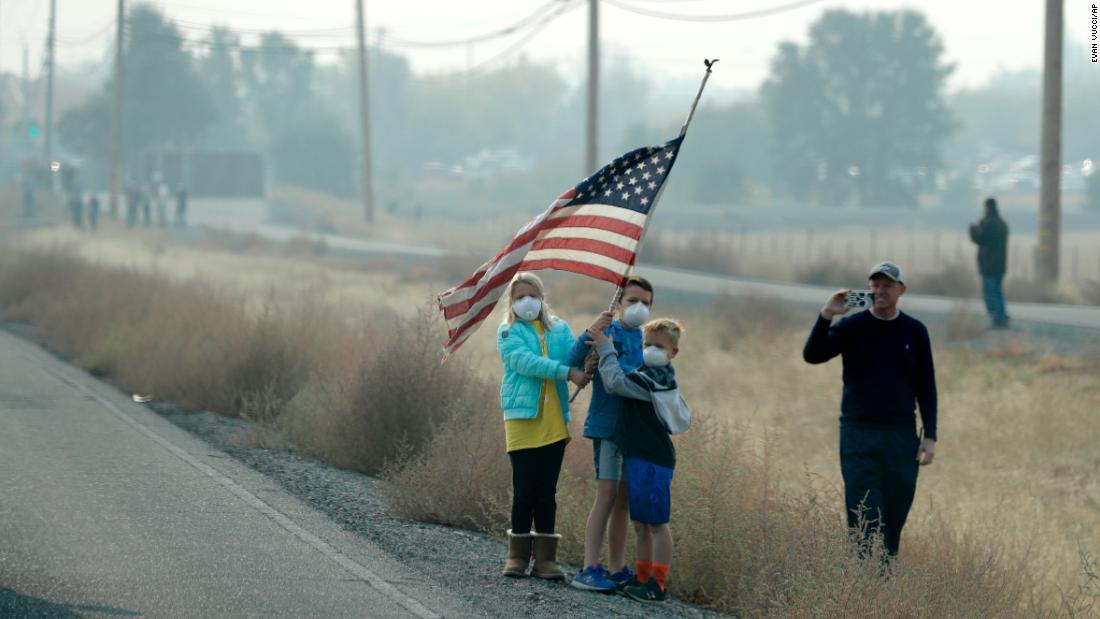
(602, 322)
(597, 336)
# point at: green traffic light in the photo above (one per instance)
(34, 132)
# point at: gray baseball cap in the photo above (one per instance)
(889, 269)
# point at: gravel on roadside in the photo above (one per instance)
(464, 562)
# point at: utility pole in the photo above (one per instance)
(1051, 155)
(592, 126)
(51, 43)
(27, 137)
(116, 115)
(364, 110)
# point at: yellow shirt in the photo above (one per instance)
(548, 426)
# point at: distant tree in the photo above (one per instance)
(164, 102)
(858, 112)
(315, 151)
(220, 72)
(278, 79)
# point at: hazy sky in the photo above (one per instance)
(982, 38)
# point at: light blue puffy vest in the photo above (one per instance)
(525, 368)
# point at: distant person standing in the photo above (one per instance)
(991, 236)
(161, 196)
(888, 371)
(93, 212)
(28, 195)
(145, 197)
(181, 206)
(131, 206)
(76, 207)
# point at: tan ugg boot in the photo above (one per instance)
(519, 554)
(546, 557)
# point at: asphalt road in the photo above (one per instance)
(109, 510)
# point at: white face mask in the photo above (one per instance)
(527, 308)
(654, 357)
(636, 314)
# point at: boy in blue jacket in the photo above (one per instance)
(643, 436)
(609, 513)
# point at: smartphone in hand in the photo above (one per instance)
(859, 299)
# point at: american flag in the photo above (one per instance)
(592, 229)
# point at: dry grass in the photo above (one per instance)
(996, 530)
(935, 263)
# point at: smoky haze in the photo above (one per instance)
(855, 108)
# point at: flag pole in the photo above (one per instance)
(656, 200)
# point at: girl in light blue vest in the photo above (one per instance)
(533, 345)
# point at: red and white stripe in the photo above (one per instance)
(596, 240)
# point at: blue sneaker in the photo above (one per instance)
(623, 578)
(594, 578)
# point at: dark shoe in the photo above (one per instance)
(649, 592)
(519, 555)
(623, 578)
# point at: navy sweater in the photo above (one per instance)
(888, 368)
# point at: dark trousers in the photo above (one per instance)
(879, 466)
(994, 295)
(534, 486)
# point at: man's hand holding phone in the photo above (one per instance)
(836, 306)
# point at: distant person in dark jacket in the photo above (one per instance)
(93, 212)
(888, 371)
(991, 236)
(181, 206)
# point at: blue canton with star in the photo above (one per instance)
(631, 181)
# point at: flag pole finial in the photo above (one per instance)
(709, 64)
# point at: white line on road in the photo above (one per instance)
(323, 547)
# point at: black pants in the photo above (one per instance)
(879, 466)
(534, 484)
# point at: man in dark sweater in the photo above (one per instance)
(888, 370)
(991, 236)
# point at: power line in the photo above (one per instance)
(85, 39)
(745, 15)
(219, 11)
(538, 13)
(481, 67)
(184, 24)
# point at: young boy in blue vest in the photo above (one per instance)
(609, 516)
(643, 436)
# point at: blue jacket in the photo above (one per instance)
(525, 368)
(603, 409)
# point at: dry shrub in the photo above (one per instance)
(1012, 349)
(1050, 363)
(963, 323)
(452, 268)
(177, 342)
(276, 362)
(235, 242)
(709, 253)
(831, 273)
(1090, 292)
(392, 401)
(369, 393)
(462, 477)
(741, 317)
(953, 280)
(305, 246)
(1034, 291)
(580, 294)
